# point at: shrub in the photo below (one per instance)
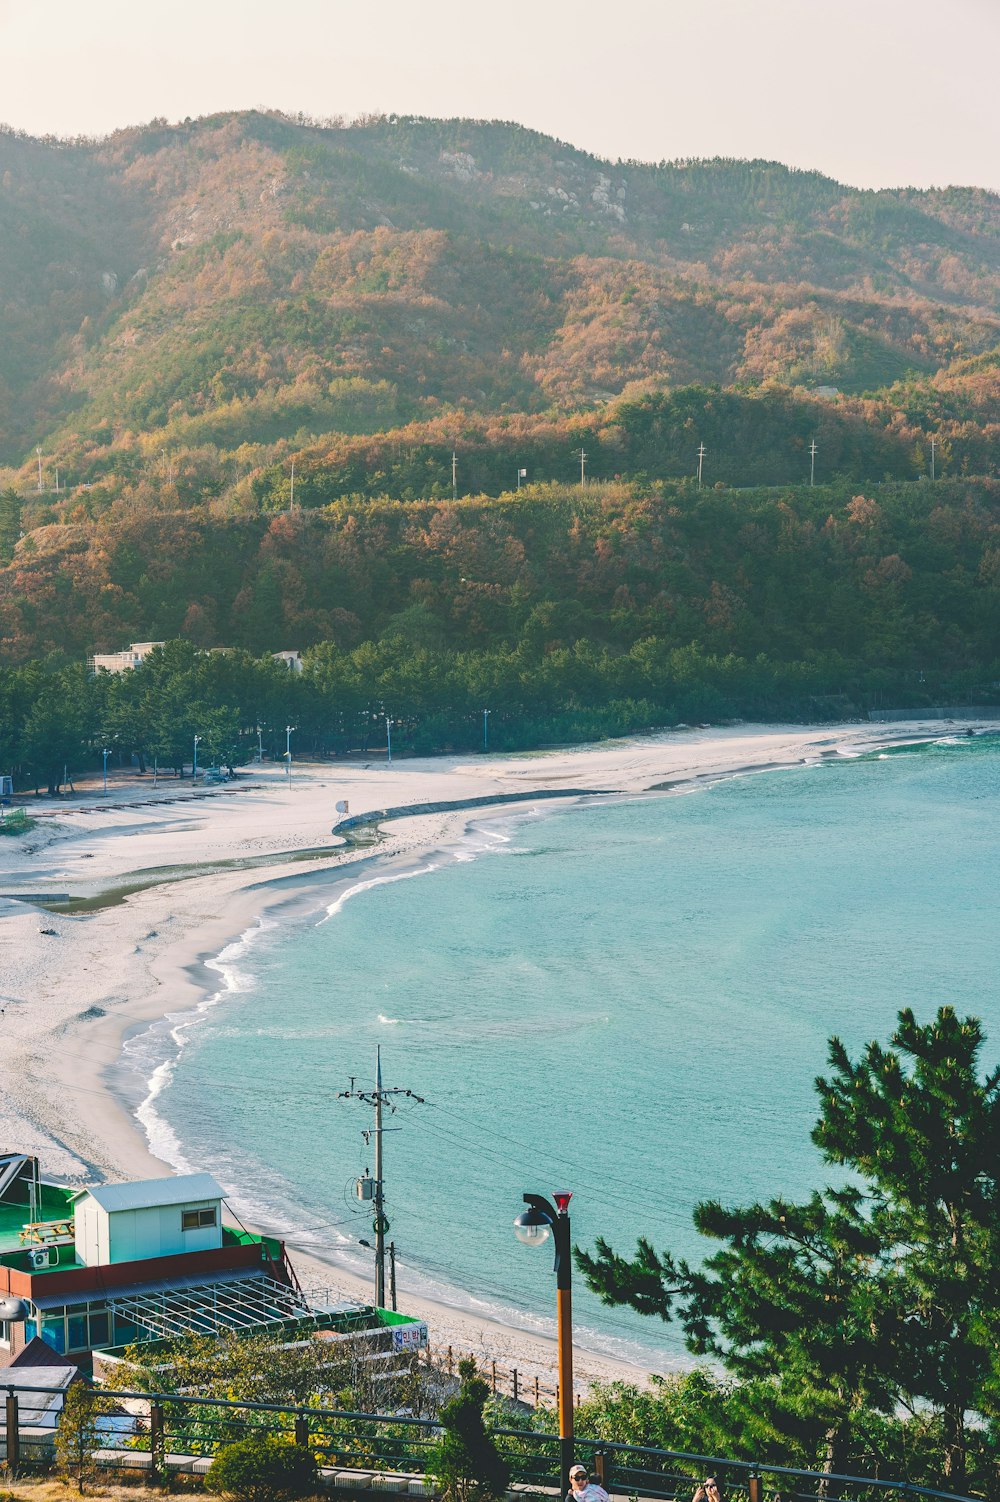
(465, 1462)
(263, 1469)
(79, 1433)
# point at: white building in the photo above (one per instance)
(150, 1218)
(292, 660)
(123, 662)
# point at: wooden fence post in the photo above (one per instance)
(513, 1379)
(753, 1488)
(156, 1447)
(451, 1357)
(13, 1434)
(302, 1430)
(493, 1377)
(536, 1390)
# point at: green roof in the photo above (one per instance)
(56, 1203)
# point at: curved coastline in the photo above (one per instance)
(74, 1007)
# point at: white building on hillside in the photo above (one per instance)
(122, 662)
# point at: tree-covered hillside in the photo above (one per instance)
(307, 280)
(334, 387)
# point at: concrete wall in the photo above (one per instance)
(961, 712)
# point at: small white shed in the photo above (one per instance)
(148, 1218)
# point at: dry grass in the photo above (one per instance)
(51, 1489)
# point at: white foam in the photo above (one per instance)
(163, 1140)
(375, 881)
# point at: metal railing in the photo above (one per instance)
(164, 1433)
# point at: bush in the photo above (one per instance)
(465, 1462)
(263, 1469)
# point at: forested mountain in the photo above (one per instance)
(246, 278)
(188, 310)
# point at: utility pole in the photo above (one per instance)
(374, 1189)
(812, 463)
(933, 447)
(291, 498)
(454, 475)
(392, 1275)
(38, 451)
(583, 468)
(701, 456)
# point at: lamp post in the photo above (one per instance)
(260, 745)
(194, 768)
(532, 1227)
(104, 753)
(486, 733)
(288, 751)
(388, 741)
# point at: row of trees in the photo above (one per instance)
(58, 719)
(865, 1318)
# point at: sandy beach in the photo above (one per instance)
(192, 869)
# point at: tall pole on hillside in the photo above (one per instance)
(291, 495)
(380, 1099)
(583, 468)
(454, 475)
(38, 451)
(933, 447)
(701, 456)
(812, 463)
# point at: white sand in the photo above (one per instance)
(70, 997)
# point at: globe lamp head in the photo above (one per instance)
(532, 1227)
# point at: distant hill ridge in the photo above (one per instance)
(250, 279)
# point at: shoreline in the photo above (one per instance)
(77, 988)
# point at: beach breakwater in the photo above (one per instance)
(453, 805)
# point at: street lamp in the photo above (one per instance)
(533, 1227)
(388, 740)
(486, 716)
(260, 745)
(194, 769)
(288, 751)
(104, 753)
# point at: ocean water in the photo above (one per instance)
(629, 999)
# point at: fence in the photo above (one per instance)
(507, 1381)
(168, 1434)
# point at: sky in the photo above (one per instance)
(876, 93)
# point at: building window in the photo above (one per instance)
(194, 1220)
(5, 1333)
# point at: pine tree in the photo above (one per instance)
(465, 1462)
(921, 1126)
(860, 1298)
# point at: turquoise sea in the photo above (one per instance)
(629, 999)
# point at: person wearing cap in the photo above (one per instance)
(582, 1489)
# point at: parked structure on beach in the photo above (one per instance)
(91, 1271)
